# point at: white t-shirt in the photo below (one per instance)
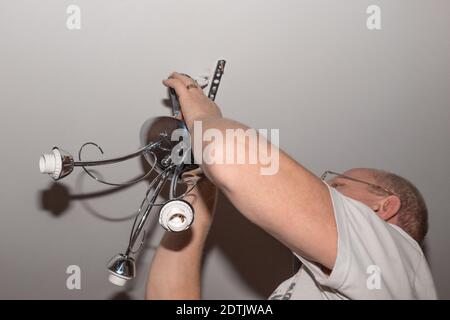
(375, 260)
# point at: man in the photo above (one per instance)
(356, 235)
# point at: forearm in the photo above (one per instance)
(175, 269)
(176, 266)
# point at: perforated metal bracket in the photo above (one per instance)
(215, 82)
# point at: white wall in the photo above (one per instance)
(341, 95)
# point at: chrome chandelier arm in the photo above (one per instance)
(139, 152)
(136, 230)
(144, 150)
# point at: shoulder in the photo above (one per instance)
(358, 225)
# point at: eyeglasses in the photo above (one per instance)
(340, 175)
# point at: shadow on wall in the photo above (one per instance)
(121, 295)
(58, 198)
(261, 261)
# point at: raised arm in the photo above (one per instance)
(293, 205)
(175, 269)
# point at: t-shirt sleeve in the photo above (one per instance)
(424, 284)
(375, 260)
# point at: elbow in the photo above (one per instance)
(230, 153)
(224, 161)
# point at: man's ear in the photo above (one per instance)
(389, 207)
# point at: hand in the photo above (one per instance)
(203, 197)
(195, 105)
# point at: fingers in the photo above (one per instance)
(183, 84)
(183, 78)
(187, 81)
(177, 84)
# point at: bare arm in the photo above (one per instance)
(176, 266)
(293, 205)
